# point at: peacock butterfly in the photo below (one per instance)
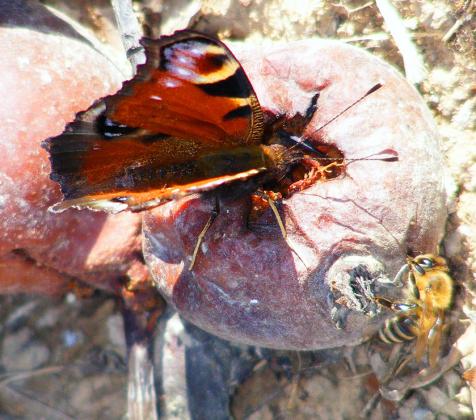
(188, 122)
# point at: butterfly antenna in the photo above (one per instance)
(300, 141)
(370, 91)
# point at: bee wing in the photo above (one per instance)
(434, 341)
(426, 321)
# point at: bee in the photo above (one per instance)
(430, 289)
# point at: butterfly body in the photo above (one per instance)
(188, 122)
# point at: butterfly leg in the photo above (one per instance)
(261, 200)
(213, 215)
(278, 217)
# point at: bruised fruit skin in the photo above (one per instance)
(46, 78)
(249, 285)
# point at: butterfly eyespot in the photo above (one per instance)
(110, 129)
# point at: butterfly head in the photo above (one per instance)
(279, 159)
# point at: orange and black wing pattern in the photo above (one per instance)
(189, 121)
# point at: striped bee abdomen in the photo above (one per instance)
(398, 329)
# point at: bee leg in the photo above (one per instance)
(213, 215)
(398, 279)
(412, 282)
(395, 306)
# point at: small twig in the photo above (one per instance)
(383, 36)
(141, 396)
(412, 60)
(370, 406)
(29, 404)
(467, 15)
(293, 395)
(376, 36)
(359, 8)
(130, 30)
(141, 393)
(349, 11)
(172, 369)
(7, 378)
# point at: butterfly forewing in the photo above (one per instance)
(191, 85)
(190, 103)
